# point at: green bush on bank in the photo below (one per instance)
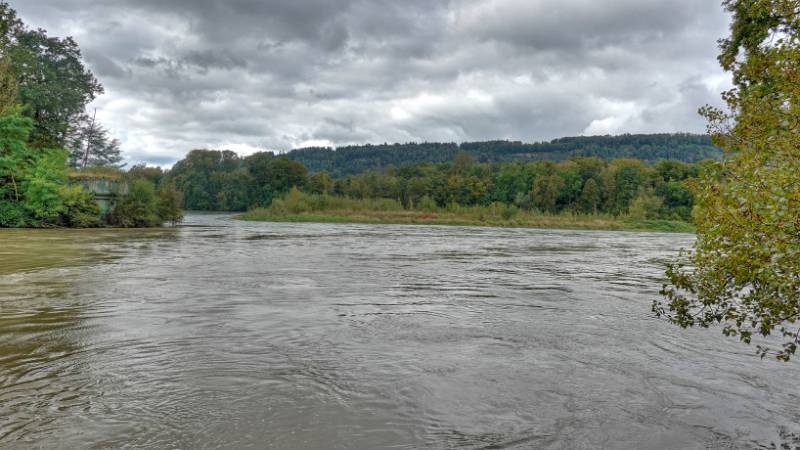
(34, 190)
(37, 191)
(144, 206)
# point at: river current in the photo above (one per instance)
(230, 334)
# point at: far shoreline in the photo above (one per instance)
(544, 221)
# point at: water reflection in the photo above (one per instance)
(225, 334)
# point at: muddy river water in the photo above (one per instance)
(229, 334)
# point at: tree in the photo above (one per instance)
(590, 197)
(154, 174)
(54, 85)
(546, 191)
(90, 144)
(273, 177)
(646, 205)
(234, 190)
(622, 180)
(462, 163)
(170, 203)
(139, 208)
(8, 85)
(80, 210)
(33, 183)
(320, 183)
(746, 258)
(200, 177)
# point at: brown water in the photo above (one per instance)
(226, 334)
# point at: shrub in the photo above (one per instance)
(647, 205)
(426, 203)
(170, 203)
(139, 208)
(79, 208)
(509, 212)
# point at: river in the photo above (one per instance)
(229, 334)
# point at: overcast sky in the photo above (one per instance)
(278, 74)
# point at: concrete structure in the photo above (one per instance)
(107, 192)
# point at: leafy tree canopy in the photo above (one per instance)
(744, 270)
(51, 81)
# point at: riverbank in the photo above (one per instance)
(299, 206)
(520, 220)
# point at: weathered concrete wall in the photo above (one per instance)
(107, 192)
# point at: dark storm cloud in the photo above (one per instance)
(248, 74)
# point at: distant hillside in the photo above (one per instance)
(353, 160)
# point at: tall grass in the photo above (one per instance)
(299, 206)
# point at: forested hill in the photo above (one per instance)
(353, 160)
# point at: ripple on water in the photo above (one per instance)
(229, 334)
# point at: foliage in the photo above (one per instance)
(79, 207)
(152, 174)
(214, 180)
(320, 183)
(590, 198)
(646, 205)
(546, 192)
(54, 85)
(33, 183)
(44, 89)
(220, 180)
(170, 203)
(146, 206)
(46, 75)
(8, 85)
(509, 211)
(97, 173)
(90, 145)
(297, 202)
(744, 270)
(352, 160)
(139, 208)
(299, 206)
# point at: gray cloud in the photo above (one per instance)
(276, 74)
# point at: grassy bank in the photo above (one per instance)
(301, 207)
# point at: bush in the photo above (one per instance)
(170, 203)
(139, 208)
(79, 208)
(509, 212)
(426, 204)
(646, 206)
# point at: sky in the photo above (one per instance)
(251, 75)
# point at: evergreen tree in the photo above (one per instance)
(90, 145)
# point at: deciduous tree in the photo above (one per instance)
(744, 270)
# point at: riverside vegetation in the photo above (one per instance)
(581, 192)
(744, 270)
(48, 142)
(298, 206)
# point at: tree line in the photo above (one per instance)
(352, 160)
(221, 180)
